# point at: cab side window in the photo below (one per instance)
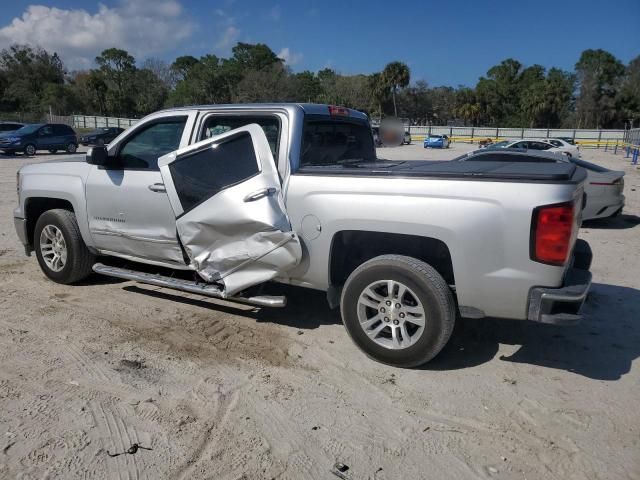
(217, 124)
(144, 147)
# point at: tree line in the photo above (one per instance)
(601, 92)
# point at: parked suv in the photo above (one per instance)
(10, 126)
(40, 136)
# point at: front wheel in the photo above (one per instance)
(398, 310)
(60, 250)
(71, 148)
(30, 150)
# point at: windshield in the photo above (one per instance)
(329, 141)
(28, 128)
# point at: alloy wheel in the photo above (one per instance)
(391, 314)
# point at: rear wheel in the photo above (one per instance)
(30, 149)
(71, 148)
(60, 250)
(398, 310)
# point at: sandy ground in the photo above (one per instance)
(222, 391)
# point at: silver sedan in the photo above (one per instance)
(603, 188)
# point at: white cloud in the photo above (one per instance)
(228, 37)
(289, 57)
(142, 27)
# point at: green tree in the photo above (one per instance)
(379, 89)
(152, 92)
(307, 86)
(599, 77)
(27, 73)
(396, 75)
(628, 97)
(118, 68)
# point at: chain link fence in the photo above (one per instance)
(472, 134)
(93, 121)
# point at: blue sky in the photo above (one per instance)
(445, 43)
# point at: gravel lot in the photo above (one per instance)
(223, 391)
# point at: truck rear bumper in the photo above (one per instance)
(561, 306)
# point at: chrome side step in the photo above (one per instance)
(187, 286)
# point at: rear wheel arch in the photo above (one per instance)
(351, 248)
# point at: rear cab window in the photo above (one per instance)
(328, 141)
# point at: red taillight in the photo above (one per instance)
(552, 233)
(341, 111)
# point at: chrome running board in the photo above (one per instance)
(187, 286)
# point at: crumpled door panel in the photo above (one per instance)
(238, 243)
(241, 235)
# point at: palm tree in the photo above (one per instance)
(396, 75)
(379, 90)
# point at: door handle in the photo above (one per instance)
(157, 187)
(265, 192)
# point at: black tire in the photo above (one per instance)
(71, 148)
(79, 259)
(432, 291)
(30, 149)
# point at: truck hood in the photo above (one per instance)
(514, 171)
(67, 165)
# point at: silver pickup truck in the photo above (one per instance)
(218, 200)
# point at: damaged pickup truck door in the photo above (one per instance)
(230, 213)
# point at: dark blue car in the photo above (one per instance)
(40, 136)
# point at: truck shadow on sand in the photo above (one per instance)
(620, 222)
(603, 346)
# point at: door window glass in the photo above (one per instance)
(539, 146)
(216, 125)
(201, 175)
(144, 147)
(46, 131)
(62, 130)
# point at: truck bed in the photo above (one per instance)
(560, 172)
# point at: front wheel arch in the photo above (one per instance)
(34, 207)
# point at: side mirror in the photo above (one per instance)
(97, 155)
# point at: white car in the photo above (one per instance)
(552, 145)
(563, 146)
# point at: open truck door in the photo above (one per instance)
(230, 213)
